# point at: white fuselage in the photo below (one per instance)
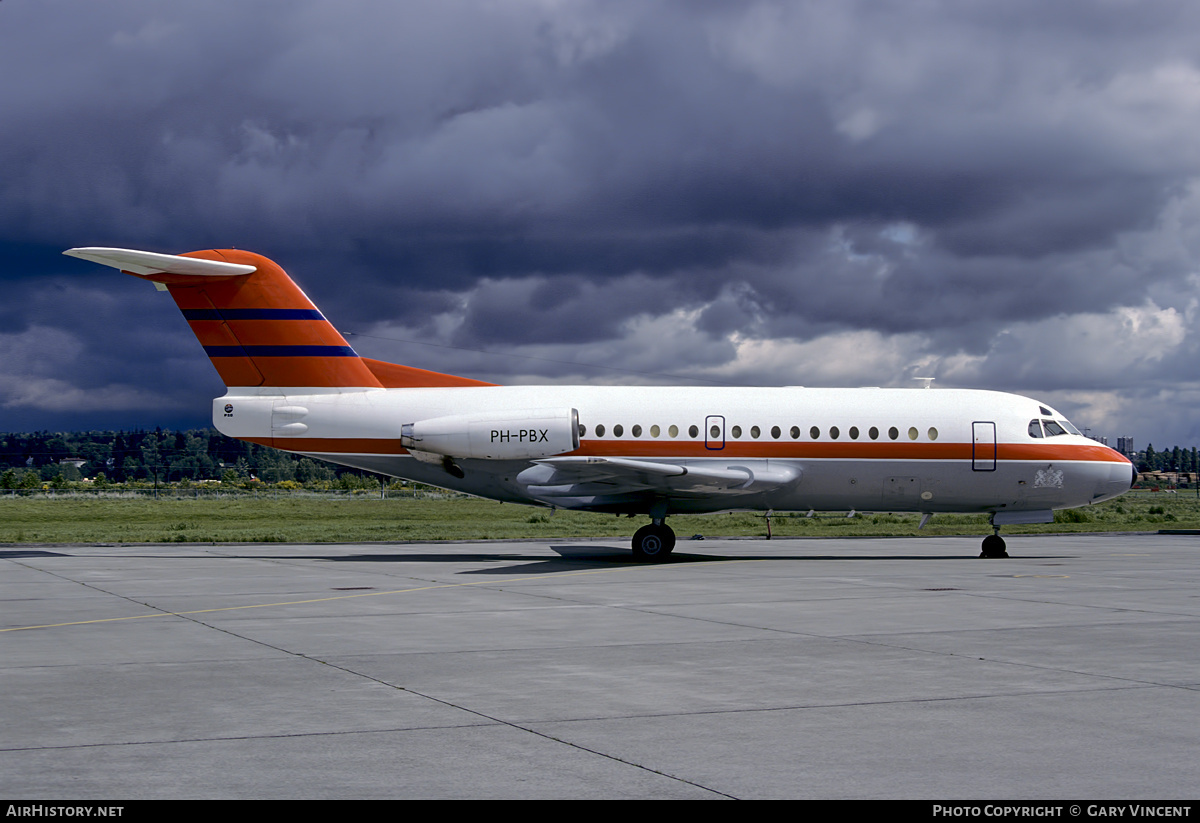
(936, 450)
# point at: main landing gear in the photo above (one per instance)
(653, 542)
(656, 540)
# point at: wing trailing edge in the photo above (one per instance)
(584, 475)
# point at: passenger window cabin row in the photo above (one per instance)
(755, 433)
(1037, 429)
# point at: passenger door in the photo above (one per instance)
(983, 446)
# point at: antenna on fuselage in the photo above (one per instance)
(928, 380)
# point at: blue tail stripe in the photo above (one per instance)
(252, 314)
(280, 351)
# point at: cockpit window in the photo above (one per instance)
(1052, 428)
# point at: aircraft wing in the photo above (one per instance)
(588, 476)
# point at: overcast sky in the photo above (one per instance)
(999, 194)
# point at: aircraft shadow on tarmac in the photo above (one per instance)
(573, 557)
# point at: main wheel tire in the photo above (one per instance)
(653, 542)
(993, 546)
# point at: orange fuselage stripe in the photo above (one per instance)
(695, 449)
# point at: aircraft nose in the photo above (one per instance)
(1111, 480)
(1118, 479)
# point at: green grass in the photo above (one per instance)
(316, 519)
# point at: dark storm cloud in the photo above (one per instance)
(563, 309)
(679, 186)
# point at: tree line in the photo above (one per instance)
(1175, 459)
(33, 459)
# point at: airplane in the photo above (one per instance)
(294, 383)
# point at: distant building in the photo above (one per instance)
(1099, 438)
(1125, 446)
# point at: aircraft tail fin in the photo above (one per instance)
(257, 326)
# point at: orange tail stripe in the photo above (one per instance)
(318, 372)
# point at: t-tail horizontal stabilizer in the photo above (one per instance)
(148, 263)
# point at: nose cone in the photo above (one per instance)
(1114, 479)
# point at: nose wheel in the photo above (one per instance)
(993, 546)
(653, 542)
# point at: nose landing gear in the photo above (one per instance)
(993, 544)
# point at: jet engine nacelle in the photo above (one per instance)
(524, 434)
